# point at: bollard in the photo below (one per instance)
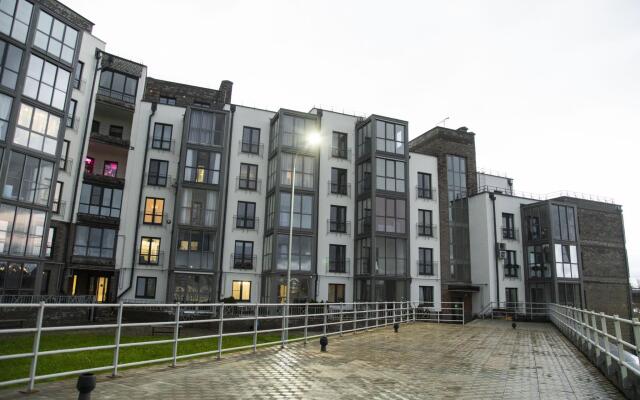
(323, 343)
(396, 326)
(86, 384)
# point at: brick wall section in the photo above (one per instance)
(186, 94)
(111, 61)
(60, 10)
(439, 142)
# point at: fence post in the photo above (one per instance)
(355, 317)
(36, 347)
(414, 314)
(284, 321)
(341, 311)
(306, 321)
(176, 334)
(255, 328)
(324, 320)
(220, 328)
(116, 350)
(596, 335)
(366, 317)
(377, 313)
(623, 369)
(585, 318)
(636, 335)
(386, 314)
(607, 353)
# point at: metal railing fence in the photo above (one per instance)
(522, 310)
(451, 312)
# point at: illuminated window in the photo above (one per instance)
(149, 251)
(241, 290)
(153, 210)
(110, 169)
(89, 163)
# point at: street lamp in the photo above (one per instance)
(313, 139)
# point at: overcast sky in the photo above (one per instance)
(551, 88)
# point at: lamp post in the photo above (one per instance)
(313, 139)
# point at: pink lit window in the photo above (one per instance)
(110, 169)
(89, 163)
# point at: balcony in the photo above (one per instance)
(339, 189)
(243, 261)
(104, 180)
(340, 153)
(197, 216)
(512, 271)
(510, 233)
(251, 185)
(428, 269)
(338, 266)
(336, 226)
(248, 224)
(251, 149)
(111, 140)
(425, 193)
(426, 230)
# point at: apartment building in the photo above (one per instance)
(123, 187)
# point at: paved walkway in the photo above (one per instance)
(482, 360)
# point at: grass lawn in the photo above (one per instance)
(19, 368)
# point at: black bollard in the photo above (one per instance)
(86, 384)
(323, 343)
(396, 326)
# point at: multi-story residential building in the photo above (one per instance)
(165, 191)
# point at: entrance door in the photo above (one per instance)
(101, 290)
(512, 299)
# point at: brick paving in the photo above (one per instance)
(481, 360)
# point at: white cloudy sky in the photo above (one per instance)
(551, 88)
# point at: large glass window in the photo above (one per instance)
(195, 250)
(248, 179)
(15, 17)
(425, 261)
(243, 255)
(97, 200)
(272, 173)
(21, 231)
(564, 222)
(538, 260)
(202, 167)
(305, 167)
(198, 207)
(336, 293)
(206, 128)
(246, 215)
(511, 264)
(508, 226)
(158, 172)
(5, 112)
(193, 288)
(57, 195)
(364, 216)
(267, 250)
(153, 210)
(456, 177)
(566, 261)
(10, 58)
(390, 215)
(28, 179)
(337, 258)
(425, 223)
(37, 129)
(534, 228)
(302, 210)
(118, 86)
(363, 256)
(241, 290)
(300, 252)
(51, 238)
(46, 83)
(424, 186)
(162, 136)
(339, 145)
(391, 256)
(146, 287)
(390, 137)
(338, 219)
(363, 140)
(390, 175)
(94, 242)
(149, 251)
(55, 37)
(339, 181)
(295, 130)
(17, 278)
(426, 296)
(250, 140)
(363, 175)
(271, 211)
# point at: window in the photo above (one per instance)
(5, 112)
(426, 296)
(55, 37)
(153, 210)
(248, 179)
(511, 296)
(57, 194)
(170, 101)
(295, 129)
(566, 261)
(193, 288)
(28, 179)
(425, 228)
(146, 287)
(48, 250)
(243, 255)
(149, 251)
(77, 74)
(511, 264)
(389, 137)
(95, 127)
(390, 215)
(538, 260)
(10, 59)
(300, 252)
(116, 131)
(18, 278)
(198, 207)
(339, 145)
(390, 175)
(21, 231)
(363, 140)
(162, 136)
(206, 128)
(15, 17)
(305, 167)
(267, 251)
(241, 290)
(195, 250)
(364, 215)
(118, 86)
(46, 83)
(202, 104)
(64, 155)
(110, 168)
(338, 219)
(337, 258)
(534, 228)
(424, 186)
(271, 211)
(98, 200)
(363, 175)
(71, 114)
(339, 181)
(336, 293)
(246, 216)
(37, 129)
(272, 173)
(94, 242)
(508, 226)
(456, 177)
(302, 210)
(89, 164)
(250, 140)
(391, 256)
(202, 167)
(158, 172)
(564, 222)
(363, 257)
(569, 294)
(425, 261)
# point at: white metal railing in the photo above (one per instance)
(31, 299)
(451, 312)
(522, 310)
(306, 321)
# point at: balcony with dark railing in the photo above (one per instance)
(197, 216)
(428, 268)
(338, 226)
(251, 149)
(512, 271)
(337, 266)
(339, 189)
(341, 153)
(252, 185)
(425, 193)
(243, 261)
(244, 223)
(510, 233)
(426, 230)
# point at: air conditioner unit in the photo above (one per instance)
(502, 246)
(503, 254)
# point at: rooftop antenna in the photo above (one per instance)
(443, 122)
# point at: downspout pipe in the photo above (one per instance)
(134, 252)
(226, 197)
(495, 245)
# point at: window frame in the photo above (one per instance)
(424, 299)
(244, 178)
(337, 258)
(425, 261)
(115, 94)
(425, 229)
(99, 192)
(340, 184)
(89, 245)
(340, 145)
(244, 259)
(162, 143)
(153, 214)
(242, 298)
(386, 178)
(148, 257)
(253, 145)
(338, 219)
(158, 179)
(4, 57)
(146, 280)
(337, 287)
(245, 221)
(425, 191)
